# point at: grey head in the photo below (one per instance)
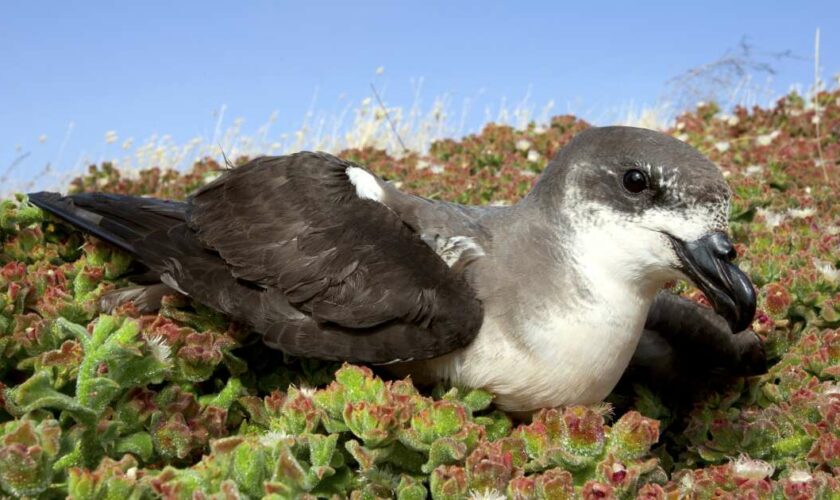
(645, 207)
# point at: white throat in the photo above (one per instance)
(584, 337)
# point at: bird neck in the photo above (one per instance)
(567, 286)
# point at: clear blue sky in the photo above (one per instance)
(164, 67)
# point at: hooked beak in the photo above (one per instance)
(707, 261)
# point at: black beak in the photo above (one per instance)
(708, 263)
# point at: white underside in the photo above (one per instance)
(573, 355)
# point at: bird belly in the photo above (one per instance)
(565, 359)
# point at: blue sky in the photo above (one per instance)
(140, 68)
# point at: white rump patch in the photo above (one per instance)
(367, 187)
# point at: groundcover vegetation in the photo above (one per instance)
(184, 404)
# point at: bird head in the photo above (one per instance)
(646, 208)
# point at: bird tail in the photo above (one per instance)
(139, 226)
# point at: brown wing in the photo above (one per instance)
(295, 224)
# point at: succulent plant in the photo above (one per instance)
(184, 404)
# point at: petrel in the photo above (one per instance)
(542, 303)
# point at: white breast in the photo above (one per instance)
(570, 357)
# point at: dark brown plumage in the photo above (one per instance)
(284, 245)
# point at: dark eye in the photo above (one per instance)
(635, 181)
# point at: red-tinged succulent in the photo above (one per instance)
(136, 405)
(199, 355)
(448, 482)
(171, 436)
(633, 435)
(297, 415)
(376, 425)
(28, 450)
(492, 465)
(111, 479)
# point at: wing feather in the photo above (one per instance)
(295, 223)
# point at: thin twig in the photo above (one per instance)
(707, 81)
(388, 117)
(14, 165)
(816, 97)
(228, 164)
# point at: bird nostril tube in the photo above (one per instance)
(723, 247)
(732, 254)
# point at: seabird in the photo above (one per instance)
(543, 302)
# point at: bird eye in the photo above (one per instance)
(635, 181)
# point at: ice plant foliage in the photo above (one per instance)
(183, 404)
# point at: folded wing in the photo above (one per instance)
(296, 222)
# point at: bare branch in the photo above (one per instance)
(388, 117)
(734, 70)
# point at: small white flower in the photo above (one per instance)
(732, 120)
(307, 391)
(533, 156)
(128, 143)
(422, 164)
(380, 70)
(272, 438)
(766, 139)
(540, 129)
(111, 137)
(771, 218)
(681, 137)
(832, 390)
(752, 469)
(687, 483)
(42, 138)
(815, 119)
(159, 348)
(826, 269)
(754, 169)
(486, 495)
(523, 144)
(801, 213)
(722, 146)
(680, 125)
(437, 169)
(800, 476)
